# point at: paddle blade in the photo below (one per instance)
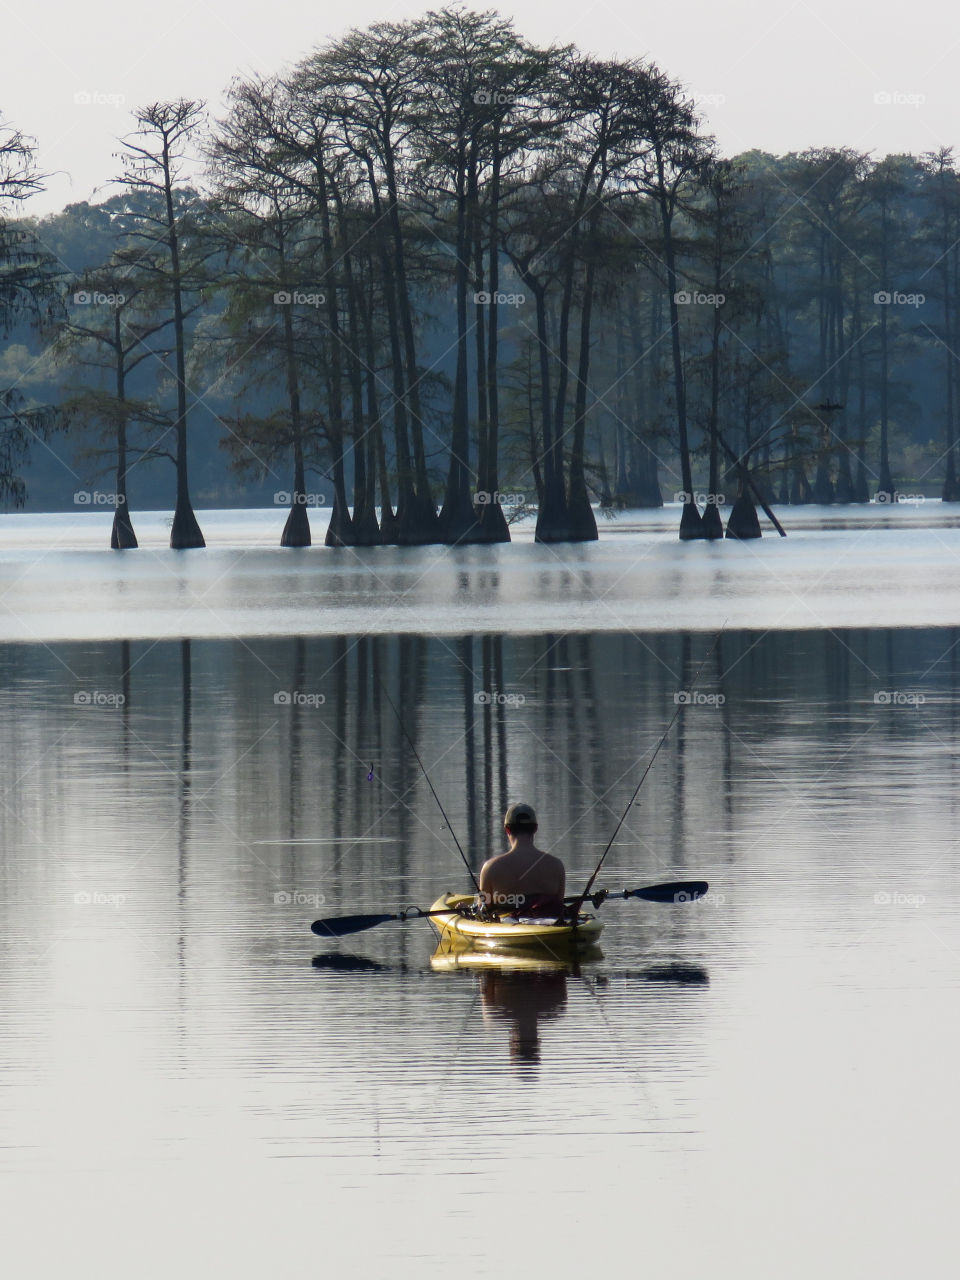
(337, 926)
(678, 891)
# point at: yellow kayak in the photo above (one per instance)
(510, 934)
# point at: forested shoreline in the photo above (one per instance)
(440, 276)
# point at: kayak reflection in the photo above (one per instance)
(522, 992)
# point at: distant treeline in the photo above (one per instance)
(437, 275)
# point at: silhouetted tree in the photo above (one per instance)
(672, 160)
(167, 244)
(112, 330)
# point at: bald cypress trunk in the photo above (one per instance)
(743, 521)
(457, 519)
(401, 525)
(712, 523)
(418, 519)
(949, 271)
(582, 522)
(366, 532)
(951, 490)
(377, 453)
(296, 531)
(185, 531)
(340, 529)
(886, 491)
(561, 523)
(845, 489)
(122, 536)
(552, 511)
(691, 523)
(492, 524)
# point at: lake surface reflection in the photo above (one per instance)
(757, 1084)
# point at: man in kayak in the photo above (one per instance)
(524, 881)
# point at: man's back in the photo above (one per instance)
(525, 879)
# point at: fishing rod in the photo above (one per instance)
(578, 903)
(416, 754)
(674, 892)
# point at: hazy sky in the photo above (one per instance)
(780, 75)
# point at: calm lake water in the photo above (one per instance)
(757, 1085)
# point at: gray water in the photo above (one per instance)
(758, 1084)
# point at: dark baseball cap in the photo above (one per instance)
(520, 815)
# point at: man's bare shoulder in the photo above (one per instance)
(495, 866)
(542, 861)
(497, 857)
(517, 865)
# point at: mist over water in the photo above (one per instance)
(873, 566)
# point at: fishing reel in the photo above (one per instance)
(478, 909)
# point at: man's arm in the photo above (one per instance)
(486, 889)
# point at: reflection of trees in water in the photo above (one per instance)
(126, 708)
(726, 736)
(595, 704)
(358, 734)
(562, 746)
(375, 746)
(494, 736)
(678, 833)
(410, 704)
(591, 735)
(954, 657)
(342, 696)
(467, 685)
(183, 825)
(186, 731)
(298, 680)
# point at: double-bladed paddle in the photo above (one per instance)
(676, 891)
(679, 891)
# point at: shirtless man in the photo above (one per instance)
(524, 880)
